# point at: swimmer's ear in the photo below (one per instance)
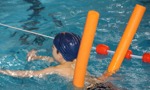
(60, 56)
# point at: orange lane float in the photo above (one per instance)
(85, 48)
(126, 39)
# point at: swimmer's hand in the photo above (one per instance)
(102, 79)
(105, 77)
(32, 55)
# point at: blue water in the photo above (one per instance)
(50, 17)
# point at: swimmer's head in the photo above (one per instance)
(67, 44)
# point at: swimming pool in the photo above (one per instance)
(50, 17)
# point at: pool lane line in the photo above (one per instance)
(20, 29)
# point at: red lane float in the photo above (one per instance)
(146, 57)
(104, 50)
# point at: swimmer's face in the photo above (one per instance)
(56, 55)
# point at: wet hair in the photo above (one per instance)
(103, 86)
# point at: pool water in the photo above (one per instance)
(50, 17)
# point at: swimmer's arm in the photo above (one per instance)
(50, 59)
(106, 75)
(91, 81)
(28, 73)
(32, 56)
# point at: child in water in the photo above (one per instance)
(64, 50)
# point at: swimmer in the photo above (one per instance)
(64, 50)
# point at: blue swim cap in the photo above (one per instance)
(67, 44)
